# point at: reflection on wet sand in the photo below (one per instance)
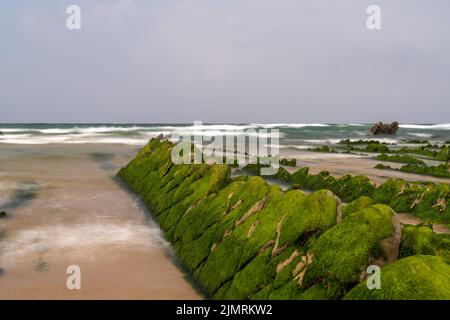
(65, 208)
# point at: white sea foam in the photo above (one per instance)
(214, 127)
(321, 141)
(290, 125)
(80, 236)
(420, 135)
(216, 133)
(77, 139)
(441, 126)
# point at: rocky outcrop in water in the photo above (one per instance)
(380, 128)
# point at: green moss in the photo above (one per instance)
(283, 175)
(300, 176)
(344, 251)
(255, 169)
(396, 193)
(422, 240)
(323, 149)
(346, 187)
(316, 292)
(383, 167)
(417, 240)
(376, 147)
(427, 201)
(314, 213)
(441, 170)
(262, 294)
(432, 151)
(360, 142)
(288, 162)
(399, 158)
(350, 187)
(418, 277)
(356, 205)
(250, 279)
(289, 291)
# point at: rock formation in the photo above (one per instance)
(241, 238)
(380, 128)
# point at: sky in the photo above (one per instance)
(225, 61)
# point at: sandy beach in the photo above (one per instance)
(65, 207)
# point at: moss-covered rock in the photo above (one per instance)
(399, 158)
(441, 170)
(419, 277)
(288, 162)
(341, 254)
(242, 238)
(323, 149)
(427, 201)
(314, 213)
(422, 240)
(346, 187)
(357, 205)
(376, 147)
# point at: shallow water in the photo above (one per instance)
(65, 207)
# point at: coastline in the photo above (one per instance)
(66, 207)
(24, 162)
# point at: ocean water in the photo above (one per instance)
(300, 135)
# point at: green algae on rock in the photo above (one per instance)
(356, 205)
(419, 277)
(422, 240)
(288, 162)
(346, 187)
(227, 229)
(242, 238)
(426, 201)
(343, 252)
(399, 158)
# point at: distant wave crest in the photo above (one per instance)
(441, 126)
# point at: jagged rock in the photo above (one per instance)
(380, 128)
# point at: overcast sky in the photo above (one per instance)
(225, 61)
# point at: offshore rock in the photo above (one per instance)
(380, 128)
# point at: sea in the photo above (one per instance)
(291, 135)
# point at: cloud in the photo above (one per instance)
(225, 61)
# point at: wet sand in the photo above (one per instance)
(65, 207)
